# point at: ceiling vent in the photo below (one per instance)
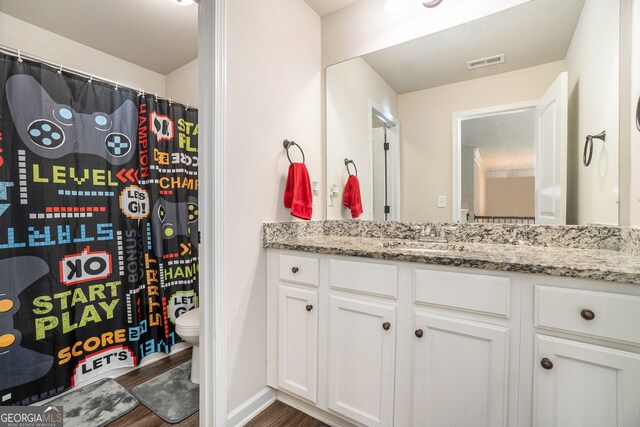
(485, 62)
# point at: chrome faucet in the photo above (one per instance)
(428, 234)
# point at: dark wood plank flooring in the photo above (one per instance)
(141, 416)
(276, 415)
(281, 415)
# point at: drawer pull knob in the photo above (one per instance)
(419, 333)
(546, 364)
(294, 270)
(386, 326)
(309, 307)
(587, 314)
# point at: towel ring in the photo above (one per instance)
(588, 146)
(287, 144)
(347, 162)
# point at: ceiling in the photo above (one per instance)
(155, 34)
(533, 33)
(325, 7)
(505, 141)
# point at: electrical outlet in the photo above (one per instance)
(442, 201)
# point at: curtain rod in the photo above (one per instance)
(22, 55)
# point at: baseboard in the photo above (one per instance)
(252, 407)
(312, 411)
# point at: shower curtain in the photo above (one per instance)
(98, 227)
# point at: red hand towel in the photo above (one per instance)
(352, 198)
(297, 193)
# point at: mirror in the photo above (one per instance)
(484, 122)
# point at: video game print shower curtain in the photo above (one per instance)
(98, 227)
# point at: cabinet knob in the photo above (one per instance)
(309, 307)
(419, 333)
(546, 364)
(386, 326)
(587, 314)
(295, 270)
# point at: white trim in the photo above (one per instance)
(456, 143)
(313, 411)
(212, 116)
(252, 407)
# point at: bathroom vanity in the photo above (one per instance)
(393, 332)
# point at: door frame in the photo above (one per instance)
(212, 128)
(394, 158)
(456, 143)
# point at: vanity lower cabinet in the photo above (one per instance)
(365, 342)
(362, 347)
(460, 372)
(298, 341)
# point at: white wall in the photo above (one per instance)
(273, 93)
(426, 131)
(364, 27)
(593, 66)
(182, 84)
(29, 38)
(351, 88)
(634, 187)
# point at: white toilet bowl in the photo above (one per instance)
(188, 328)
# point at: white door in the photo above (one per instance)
(460, 372)
(361, 360)
(298, 342)
(380, 174)
(551, 153)
(585, 385)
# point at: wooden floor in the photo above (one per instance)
(276, 415)
(141, 416)
(281, 415)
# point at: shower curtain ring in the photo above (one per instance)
(60, 69)
(187, 109)
(169, 102)
(19, 56)
(117, 85)
(90, 79)
(156, 95)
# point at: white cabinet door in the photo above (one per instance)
(298, 342)
(460, 372)
(583, 385)
(361, 360)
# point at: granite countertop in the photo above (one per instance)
(595, 264)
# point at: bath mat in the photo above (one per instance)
(171, 396)
(96, 404)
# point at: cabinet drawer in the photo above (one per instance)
(465, 291)
(365, 277)
(299, 269)
(615, 316)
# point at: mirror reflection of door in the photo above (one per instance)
(513, 161)
(381, 170)
(384, 155)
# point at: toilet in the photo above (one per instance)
(188, 328)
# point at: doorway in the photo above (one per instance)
(385, 171)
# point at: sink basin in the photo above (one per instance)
(420, 247)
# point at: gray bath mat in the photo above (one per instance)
(171, 396)
(96, 404)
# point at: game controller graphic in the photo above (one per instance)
(53, 130)
(170, 220)
(20, 365)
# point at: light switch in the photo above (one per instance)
(442, 201)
